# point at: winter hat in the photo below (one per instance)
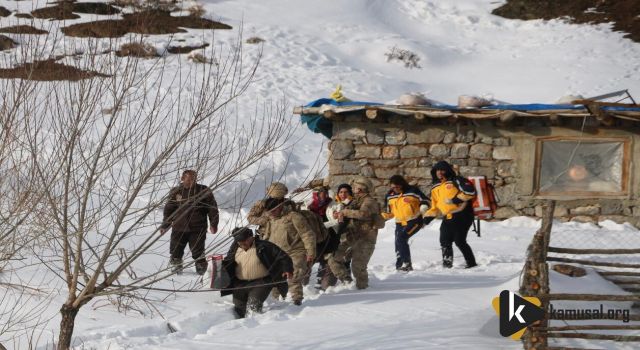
(277, 190)
(446, 167)
(241, 233)
(363, 183)
(272, 203)
(348, 187)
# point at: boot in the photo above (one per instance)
(406, 267)
(201, 267)
(176, 265)
(447, 257)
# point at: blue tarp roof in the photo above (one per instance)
(319, 124)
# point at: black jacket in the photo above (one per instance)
(270, 255)
(187, 209)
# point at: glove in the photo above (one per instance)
(427, 220)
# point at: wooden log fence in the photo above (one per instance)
(535, 282)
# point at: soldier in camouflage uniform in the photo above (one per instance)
(290, 231)
(361, 235)
(258, 215)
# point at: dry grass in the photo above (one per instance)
(145, 22)
(196, 10)
(143, 50)
(185, 49)
(47, 70)
(255, 40)
(22, 29)
(198, 57)
(409, 58)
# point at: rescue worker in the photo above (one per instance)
(406, 204)
(451, 197)
(290, 231)
(253, 269)
(186, 212)
(361, 235)
(257, 214)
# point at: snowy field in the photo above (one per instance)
(310, 47)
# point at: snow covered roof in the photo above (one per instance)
(317, 113)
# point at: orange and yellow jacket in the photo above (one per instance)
(450, 197)
(404, 206)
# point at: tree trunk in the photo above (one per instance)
(66, 326)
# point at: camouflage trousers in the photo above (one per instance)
(360, 247)
(300, 270)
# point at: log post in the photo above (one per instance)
(535, 280)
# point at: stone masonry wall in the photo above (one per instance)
(380, 150)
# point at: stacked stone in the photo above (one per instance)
(379, 151)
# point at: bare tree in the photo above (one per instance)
(106, 150)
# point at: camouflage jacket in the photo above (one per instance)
(291, 232)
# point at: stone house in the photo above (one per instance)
(587, 158)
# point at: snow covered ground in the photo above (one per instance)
(309, 48)
(429, 308)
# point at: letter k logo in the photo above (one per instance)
(516, 313)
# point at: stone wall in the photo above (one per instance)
(411, 147)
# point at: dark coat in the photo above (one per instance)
(272, 257)
(187, 209)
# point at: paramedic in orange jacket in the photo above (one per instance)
(451, 197)
(404, 203)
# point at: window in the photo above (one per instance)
(582, 166)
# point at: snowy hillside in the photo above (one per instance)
(309, 48)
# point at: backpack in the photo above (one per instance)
(327, 241)
(484, 203)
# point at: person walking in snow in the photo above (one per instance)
(406, 204)
(188, 207)
(319, 202)
(361, 233)
(258, 214)
(451, 197)
(254, 266)
(289, 230)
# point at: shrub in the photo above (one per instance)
(408, 57)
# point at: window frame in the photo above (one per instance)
(626, 168)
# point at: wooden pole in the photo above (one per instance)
(593, 251)
(594, 336)
(589, 327)
(594, 263)
(590, 297)
(535, 280)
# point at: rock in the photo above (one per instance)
(341, 149)
(501, 141)
(636, 211)
(458, 162)
(439, 150)
(505, 169)
(4, 12)
(418, 172)
(449, 137)
(385, 173)
(611, 207)
(395, 137)
(488, 163)
(480, 151)
(584, 219)
(505, 213)
(430, 135)
(345, 132)
(413, 151)
(344, 167)
(559, 211)
(459, 150)
(504, 153)
(587, 210)
(569, 270)
(390, 152)
(477, 171)
(486, 140)
(473, 162)
(385, 163)
(470, 136)
(427, 162)
(367, 151)
(375, 136)
(367, 171)
(6, 43)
